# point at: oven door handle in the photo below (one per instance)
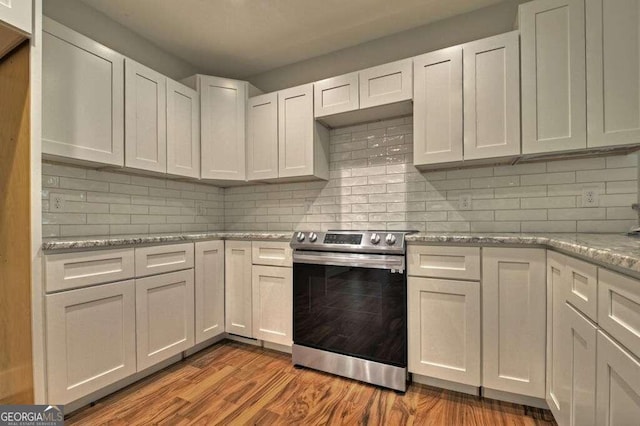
(359, 260)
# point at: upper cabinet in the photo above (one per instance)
(613, 74)
(336, 95)
(222, 128)
(492, 97)
(262, 137)
(83, 98)
(145, 118)
(386, 84)
(183, 130)
(17, 14)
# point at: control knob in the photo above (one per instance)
(313, 237)
(300, 237)
(390, 239)
(375, 238)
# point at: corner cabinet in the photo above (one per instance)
(262, 137)
(238, 290)
(513, 320)
(183, 130)
(209, 289)
(82, 98)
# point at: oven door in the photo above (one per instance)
(351, 304)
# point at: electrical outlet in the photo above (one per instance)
(589, 197)
(464, 202)
(201, 210)
(56, 202)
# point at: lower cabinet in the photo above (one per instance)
(514, 320)
(237, 278)
(209, 289)
(618, 384)
(444, 329)
(273, 304)
(91, 339)
(164, 316)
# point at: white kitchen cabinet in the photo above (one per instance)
(386, 84)
(209, 283)
(552, 34)
(271, 253)
(91, 339)
(145, 122)
(272, 288)
(513, 320)
(82, 98)
(618, 384)
(492, 97)
(155, 260)
(613, 74)
(183, 130)
(262, 137)
(556, 391)
(444, 262)
(164, 316)
(619, 308)
(336, 95)
(444, 329)
(437, 107)
(303, 143)
(17, 13)
(582, 286)
(238, 288)
(222, 127)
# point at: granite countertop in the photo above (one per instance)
(618, 251)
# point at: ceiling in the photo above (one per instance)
(239, 38)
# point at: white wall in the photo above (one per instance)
(97, 26)
(475, 25)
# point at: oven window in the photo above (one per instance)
(352, 311)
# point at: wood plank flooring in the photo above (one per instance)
(233, 383)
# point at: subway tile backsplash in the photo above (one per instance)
(372, 185)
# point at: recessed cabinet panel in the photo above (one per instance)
(209, 256)
(295, 148)
(166, 258)
(444, 262)
(145, 118)
(492, 97)
(613, 72)
(553, 76)
(271, 253)
(183, 130)
(386, 84)
(582, 286)
(273, 304)
(619, 308)
(82, 97)
(262, 137)
(437, 107)
(336, 95)
(238, 288)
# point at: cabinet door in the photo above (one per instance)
(619, 308)
(82, 97)
(386, 84)
(145, 122)
(164, 316)
(556, 378)
(553, 76)
(273, 304)
(492, 97)
(237, 278)
(437, 107)
(222, 126)
(183, 130)
(209, 289)
(618, 384)
(295, 131)
(444, 329)
(613, 73)
(579, 365)
(262, 137)
(91, 339)
(513, 320)
(336, 95)
(17, 13)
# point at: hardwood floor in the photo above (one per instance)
(233, 383)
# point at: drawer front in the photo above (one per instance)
(444, 262)
(336, 95)
(582, 286)
(161, 259)
(619, 308)
(386, 84)
(271, 253)
(80, 269)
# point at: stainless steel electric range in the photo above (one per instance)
(350, 305)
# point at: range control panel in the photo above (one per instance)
(389, 242)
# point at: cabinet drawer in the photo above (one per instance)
(80, 269)
(619, 308)
(582, 286)
(336, 95)
(386, 84)
(161, 259)
(271, 253)
(444, 262)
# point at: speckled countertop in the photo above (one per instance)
(617, 251)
